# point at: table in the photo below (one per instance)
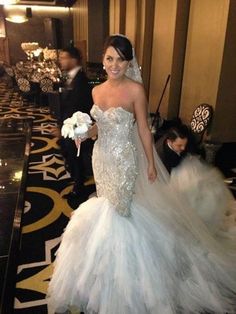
(15, 146)
(35, 71)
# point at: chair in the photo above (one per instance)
(46, 87)
(9, 70)
(23, 85)
(200, 124)
(36, 77)
(8, 74)
(26, 89)
(201, 120)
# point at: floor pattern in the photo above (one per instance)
(46, 212)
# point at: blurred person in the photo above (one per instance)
(76, 96)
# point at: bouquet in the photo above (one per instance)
(76, 126)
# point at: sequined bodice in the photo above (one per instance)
(114, 157)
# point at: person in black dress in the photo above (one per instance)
(76, 96)
(172, 147)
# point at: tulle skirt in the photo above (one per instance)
(163, 259)
(149, 263)
(202, 187)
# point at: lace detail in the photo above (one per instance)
(114, 157)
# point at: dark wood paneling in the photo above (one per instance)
(122, 16)
(223, 128)
(180, 39)
(98, 28)
(147, 43)
(4, 50)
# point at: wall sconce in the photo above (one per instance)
(20, 17)
(17, 19)
(7, 2)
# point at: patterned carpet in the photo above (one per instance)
(46, 212)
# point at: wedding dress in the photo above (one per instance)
(136, 248)
(203, 187)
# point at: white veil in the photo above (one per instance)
(161, 197)
(133, 72)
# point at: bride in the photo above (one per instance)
(136, 248)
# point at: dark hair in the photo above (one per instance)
(177, 132)
(121, 44)
(74, 53)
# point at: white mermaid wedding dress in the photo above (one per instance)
(136, 248)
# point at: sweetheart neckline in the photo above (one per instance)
(118, 107)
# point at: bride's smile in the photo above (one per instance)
(114, 64)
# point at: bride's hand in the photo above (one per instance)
(152, 173)
(79, 140)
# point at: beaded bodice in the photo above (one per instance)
(114, 157)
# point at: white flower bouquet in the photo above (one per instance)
(76, 126)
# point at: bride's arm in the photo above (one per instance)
(140, 109)
(93, 131)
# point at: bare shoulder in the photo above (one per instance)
(97, 89)
(136, 88)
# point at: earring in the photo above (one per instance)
(103, 67)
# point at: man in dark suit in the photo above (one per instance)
(172, 147)
(76, 96)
